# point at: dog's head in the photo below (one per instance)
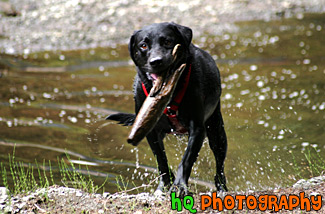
(151, 47)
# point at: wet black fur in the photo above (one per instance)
(150, 49)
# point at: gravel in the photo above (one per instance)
(57, 199)
(50, 25)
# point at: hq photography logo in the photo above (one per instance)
(250, 202)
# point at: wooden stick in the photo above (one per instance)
(153, 107)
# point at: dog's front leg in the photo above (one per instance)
(155, 140)
(196, 136)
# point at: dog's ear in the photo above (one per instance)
(132, 46)
(184, 32)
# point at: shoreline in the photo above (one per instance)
(56, 199)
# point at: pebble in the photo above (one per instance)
(307, 184)
(142, 197)
(3, 193)
(3, 197)
(314, 194)
(106, 194)
(158, 193)
(41, 192)
(8, 9)
(78, 194)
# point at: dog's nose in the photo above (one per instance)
(156, 61)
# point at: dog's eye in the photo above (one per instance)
(168, 43)
(144, 46)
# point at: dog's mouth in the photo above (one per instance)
(152, 76)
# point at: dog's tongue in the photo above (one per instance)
(154, 76)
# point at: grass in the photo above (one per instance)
(316, 164)
(313, 163)
(21, 178)
(72, 176)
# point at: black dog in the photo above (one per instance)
(197, 109)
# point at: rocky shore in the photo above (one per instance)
(31, 25)
(57, 199)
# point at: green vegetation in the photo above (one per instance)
(313, 164)
(23, 178)
(316, 164)
(72, 176)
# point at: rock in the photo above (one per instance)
(78, 193)
(300, 184)
(106, 194)
(3, 193)
(158, 193)
(7, 209)
(7, 9)
(41, 192)
(20, 205)
(314, 194)
(4, 199)
(317, 180)
(307, 184)
(27, 198)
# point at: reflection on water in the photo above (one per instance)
(273, 105)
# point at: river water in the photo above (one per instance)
(55, 103)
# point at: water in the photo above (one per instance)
(273, 105)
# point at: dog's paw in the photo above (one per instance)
(162, 186)
(221, 188)
(220, 182)
(181, 190)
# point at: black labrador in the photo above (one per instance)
(198, 112)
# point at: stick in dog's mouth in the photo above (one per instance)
(154, 105)
(174, 53)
